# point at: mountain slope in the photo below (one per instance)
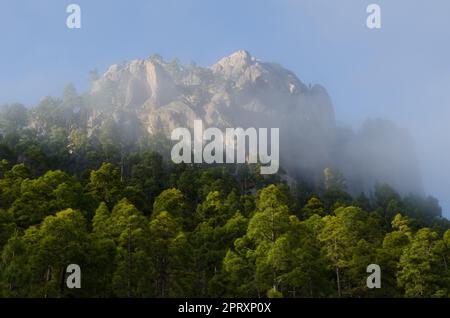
(242, 91)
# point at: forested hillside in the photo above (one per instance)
(140, 226)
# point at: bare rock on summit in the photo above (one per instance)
(237, 91)
(239, 67)
(243, 69)
(136, 83)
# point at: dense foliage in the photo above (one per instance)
(139, 226)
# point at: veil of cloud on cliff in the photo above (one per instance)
(400, 72)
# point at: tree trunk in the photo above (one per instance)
(338, 282)
(337, 270)
(129, 261)
(121, 164)
(62, 284)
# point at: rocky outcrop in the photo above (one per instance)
(237, 91)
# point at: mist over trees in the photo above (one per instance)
(110, 201)
(152, 96)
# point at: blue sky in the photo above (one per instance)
(401, 72)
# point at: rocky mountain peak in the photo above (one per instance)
(246, 71)
(238, 91)
(236, 61)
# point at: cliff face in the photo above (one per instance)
(238, 91)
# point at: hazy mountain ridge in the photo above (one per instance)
(242, 91)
